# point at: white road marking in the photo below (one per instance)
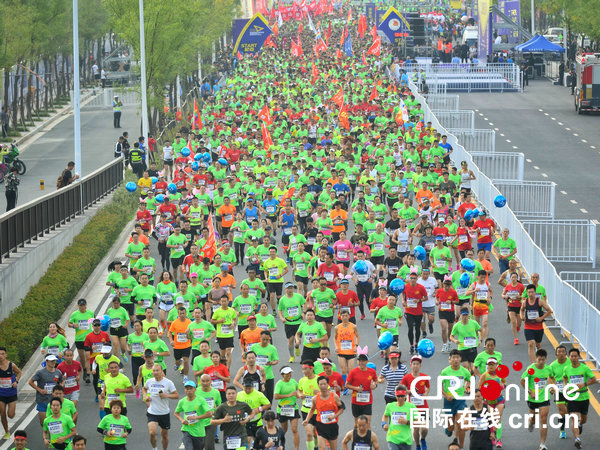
(491, 124)
(476, 110)
(583, 210)
(568, 129)
(515, 147)
(546, 114)
(563, 192)
(593, 146)
(595, 222)
(497, 129)
(553, 118)
(560, 123)
(544, 175)
(508, 140)
(575, 134)
(584, 141)
(481, 114)
(528, 160)
(536, 167)
(502, 134)
(540, 110)
(574, 202)
(485, 118)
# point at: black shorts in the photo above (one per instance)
(283, 419)
(285, 239)
(561, 398)
(96, 76)
(346, 264)
(123, 411)
(120, 332)
(168, 162)
(347, 357)
(515, 309)
(299, 279)
(324, 319)
(536, 335)
(535, 405)
(375, 260)
(176, 262)
(311, 354)
(252, 428)
(329, 431)
(79, 345)
(163, 420)
(277, 288)
(179, 353)
(130, 308)
(226, 232)
(462, 301)
(439, 276)
(9, 399)
(447, 316)
(359, 410)
(225, 342)
(469, 354)
(579, 406)
(291, 330)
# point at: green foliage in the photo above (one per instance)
(23, 331)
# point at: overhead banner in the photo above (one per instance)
(484, 21)
(370, 11)
(512, 8)
(249, 35)
(456, 4)
(394, 25)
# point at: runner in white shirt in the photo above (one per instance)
(157, 392)
(430, 284)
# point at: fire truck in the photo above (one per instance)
(587, 91)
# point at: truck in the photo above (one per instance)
(587, 90)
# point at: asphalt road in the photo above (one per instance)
(49, 151)
(559, 145)
(512, 438)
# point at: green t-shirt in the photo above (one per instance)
(111, 383)
(121, 285)
(68, 408)
(462, 375)
(289, 404)
(505, 247)
(144, 296)
(291, 308)
(196, 407)
(118, 317)
(540, 393)
(324, 302)
(137, 343)
(135, 250)
(245, 307)
(314, 331)
(397, 433)
(58, 427)
(200, 331)
(254, 286)
(201, 363)
(482, 358)
(254, 399)
(265, 322)
(225, 329)
(466, 334)
(310, 388)
(82, 324)
(274, 268)
(558, 371)
(157, 346)
(179, 241)
(390, 318)
(119, 426)
(440, 263)
(265, 355)
(377, 241)
(302, 261)
(213, 399)
(147, 266)
(578, 375)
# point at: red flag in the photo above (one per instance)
(399, 119)
(209, 249)
(296, 49)
(300, 28)
(275, 29)
(374, 94)
(338, 98)
(375, 48)
(343, 118)
(364, 58)
(239, 56)
(350, 15)
(267, 141)
(362, 26)
(343, 37)
(268, 42)
(197, 121)
(329, 30)
(338, 54)
(315, 73)
(320, 46)
(265, 115)
(373, 32)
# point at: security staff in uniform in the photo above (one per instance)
(136, 157)
(117, 105)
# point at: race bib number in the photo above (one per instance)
(308, 401)
(469, 342)
(225, 329)
(182, 338)
(115, 323)
(70, 382)
(287, 230)
(166, 297)
(55, 427)
(49, 386)
(6, 383)
(112, 397)
(363, 278)
(262, 360)
(411, 303)
(446, 306)
(505, 251)
(233, 442)
(287, 411)
(541, 383)
(390, 323)
(218, 384)
(310, 337)
(137, 348)
(146, 304)
(378, 246)
(117, 430)
(195, 214)
(363, 397)
(440, 263)
(462, 238)
(53, 350)
(237, 234)
(346, 345)
(293, 312)
(83, 325)
(211, 402)
(481, 424)
(270, 209)
(576, 379)
(303, 213)
(274, 272)
(189, 414)
(461, 291)
(484, 231)
(342, 254)
(246, 309)
(311, 241)
(323, 306)
(482, 295)
(328, 276)
(417, 401)
(532, 314)
(397, 416)
(327, 416)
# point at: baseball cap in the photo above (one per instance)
(344, 281)
(225, 266)
(439, 238)
(492, 360)
(363, 358)
(82, 301)
(252, 317)
(193, 275)
(179, 300)
(416, 358)
(325, 361)
(248, 382)
(286, 369)
(464, 311)
(289, 284)
(51, 358)
(96, 322)
(106, 349)
(394, 355)
(189, 383)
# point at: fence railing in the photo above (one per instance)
(501, 165)
(464, 119)
(127, 96)
(531, 199)
(443, 102)
(565, 240)
(572, 312)
(588, 283)
(477, 140)
(38, 217)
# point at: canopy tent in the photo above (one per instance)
(539, 44)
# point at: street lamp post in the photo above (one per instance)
(533, 17)
(143, 72)
(76, 96)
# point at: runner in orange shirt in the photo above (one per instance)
(227, 214)
(227, 280)
(422, 193)
(339, 217)
(250, 335)
(182, 345)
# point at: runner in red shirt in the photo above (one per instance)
(161, 185)
(93, 345)
(347, 299)
(485, 230)
(143, 217)
(71, 371)
(336, 381)
(413, 297)
(362, 380)
(446, 297)
(379, 302)
(219, 374)
(466, 205)
(330, 272)
(168, 209)
(422, 388)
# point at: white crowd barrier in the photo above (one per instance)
(477, 140)
(127, 96)
(463, 119)
(443, 102)
(502, 165)
(532, 199)
(588, 283)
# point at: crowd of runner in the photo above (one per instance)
(322, 216)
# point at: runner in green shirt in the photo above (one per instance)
(313, 334)
(144, 296)
(225, 319)
(81, 321)
(158, 347)
(146, 264)
(440, 258)
(266, 357)
(200, 330)
(58, 428)
(286, 393)
(558, 367)
(290, 314)
(323, 299)
(275, 269)
(397, 419)
(467, 334)
(245, 305)
(191, 412)
(115, 427)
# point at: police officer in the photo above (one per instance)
(136, 157)
(117, 105)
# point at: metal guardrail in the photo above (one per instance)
(464, 118)
(36, 218)
(501, 165)
(127, 96)
(573, 313)
(443, 102)
(588, 283)
(477, 140)
(565, 240)
(532, 199)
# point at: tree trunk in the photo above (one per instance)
(15, 99)
(29, 98)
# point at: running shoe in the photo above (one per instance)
(517, 341)
(578, 443)
(448, 432)
(430, 331)
(362, 317)
(6, 436)
(444, 348)
(291, 359)
(424, 334)
(297, 351)
(345, 392)
(125, 359)
(498, 443)
(423, 444)
(563, 434)
(493, 441)
(543, 447)
(137, 393)
(518, 329)
(530, 427)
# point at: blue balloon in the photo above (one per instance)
(223, 161)
(154, 180)
(500, 201)
(172, 188)
(420, 253)
(186, 152)
(397, 286)
(476, 213)
(467, 264)
(426, 348)
(465, 280)
(160, 198)
(105, 322)
(385, 340)
(207, 158)
(361, 267)
(371, 365)
(469, 215)
(198, 156)
(131, 186)
(195, 166)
